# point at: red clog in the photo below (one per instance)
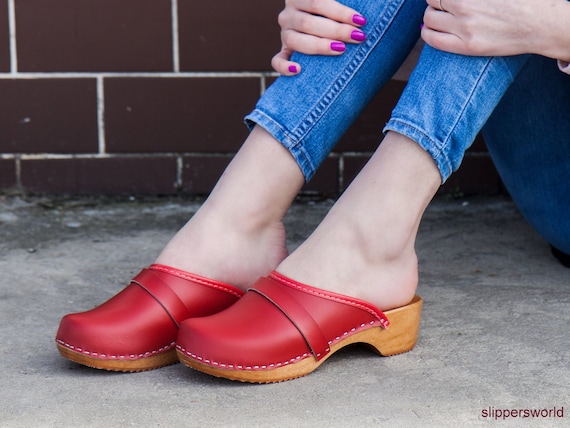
(136, 329)
(282, 329)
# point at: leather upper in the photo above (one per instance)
(143, 319)
(277, 322)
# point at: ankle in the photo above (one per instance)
(233, 216)
(226, 250)
(344, 262)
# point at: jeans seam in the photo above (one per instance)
(341, 82)
(420, 136)
(465, 104)
(435, 148)
(285, 138)
(484, 71)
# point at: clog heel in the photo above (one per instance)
(403, 333)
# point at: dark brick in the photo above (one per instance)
(352, 166)
(4, 38)
(478, 145)
(94, 35)
(114, 176)
(325, 181)
(201, 173)
(48, 115)
(477, 175)
(228, 35)
(7, 173)
(177, 114)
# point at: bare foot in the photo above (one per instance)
(225, 250)
(339, 260)
(364, 247)
(238, 234)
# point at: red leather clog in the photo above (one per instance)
(136, 329)
(282, 329)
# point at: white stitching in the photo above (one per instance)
(239, 366)
(383, 321)
(199, 280)
(271, 365)
(115, 357)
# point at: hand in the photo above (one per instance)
(497, 27)
(315, 27)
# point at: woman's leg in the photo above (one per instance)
(237, 235)
(365, 246)
(447, 101)
(360, 261)
(528, 137)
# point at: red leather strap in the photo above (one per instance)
(154, 285)
(278, 295)
(199, 280)
(335, 297)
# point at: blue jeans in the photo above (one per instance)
(528, 137)
(447, 101)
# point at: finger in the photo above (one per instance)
(311, 45)
(320, 27)
(333, 10)
(282, 65)
(440, 5)
(448, 42)
(445, 31)
(433, 4)
(435, 20)
(436, 39)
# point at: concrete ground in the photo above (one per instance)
(494, 333)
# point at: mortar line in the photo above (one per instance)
(91, 75)
(262, 85)
(101, 115)
(340, 167)
(12, 31)
(175, 37)
(179, 171)
(18, 167)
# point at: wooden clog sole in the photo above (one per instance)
(120, 365)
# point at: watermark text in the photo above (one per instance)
(522, 413)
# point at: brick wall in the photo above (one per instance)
(148, 96)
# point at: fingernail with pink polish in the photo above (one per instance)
(358, 35)
(359, 19)
(292, 69)
(338, 46)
